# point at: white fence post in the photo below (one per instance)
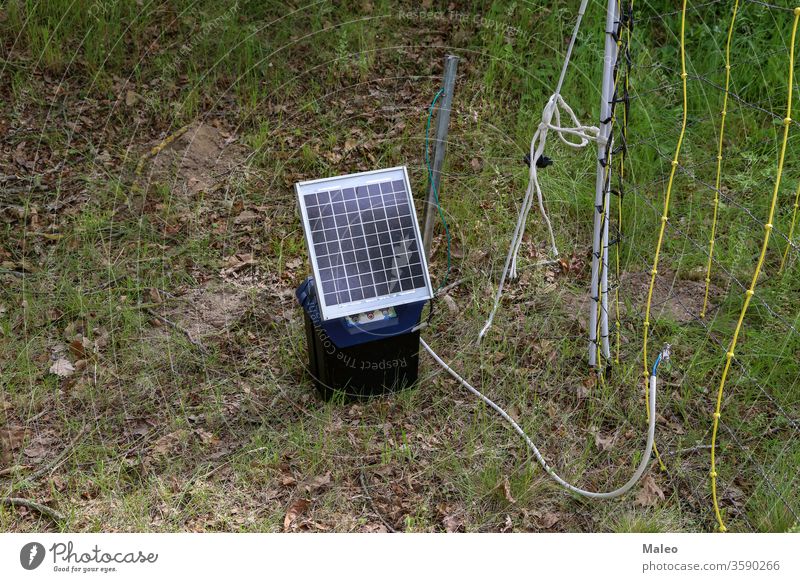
(599, 286)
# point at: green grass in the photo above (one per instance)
(172, 436)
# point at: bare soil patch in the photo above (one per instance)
(678, 299)
(199, 159)
(210, 309)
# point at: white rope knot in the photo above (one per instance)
(551, 121)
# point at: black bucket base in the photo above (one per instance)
(367, 370)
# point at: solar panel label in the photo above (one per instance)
(364, 242)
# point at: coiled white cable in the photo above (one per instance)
(663, 356)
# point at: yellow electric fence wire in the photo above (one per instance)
(791, 229)
(719, 157)
(751, 291)
(665, 216)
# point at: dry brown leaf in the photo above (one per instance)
(507, 490)
(155, 296)
(604, 444)
(451, 304)
(295, 510)
(62, 368)
(131, 98)
(550, 519)
(318, 482)
(11, 438)
(246, 217)
(452, 523)
(650, 493)
(168, 442)
(80, 347)
(206, 437)
(36, 451)
(235, 262)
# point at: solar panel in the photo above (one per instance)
(364, 242)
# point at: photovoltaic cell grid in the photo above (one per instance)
(366, 244)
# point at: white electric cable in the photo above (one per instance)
(663, 356)
(551, 120)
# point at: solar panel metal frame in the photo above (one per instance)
(329, 312)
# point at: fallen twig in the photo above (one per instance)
(372, 503)
(446, 289)
(43, 509)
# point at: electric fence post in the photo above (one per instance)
(442, 125)
(599, 286)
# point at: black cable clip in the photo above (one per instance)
(541, 162)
